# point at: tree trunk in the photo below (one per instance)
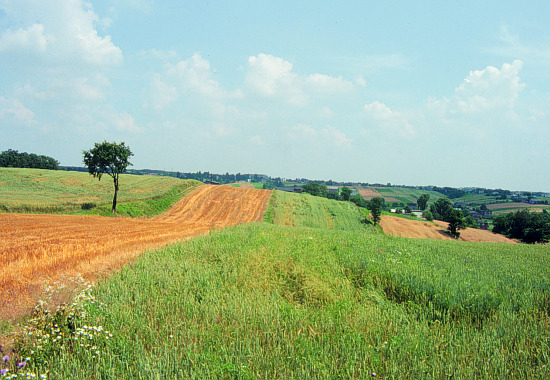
(116, 191)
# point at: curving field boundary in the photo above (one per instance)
(46, 249)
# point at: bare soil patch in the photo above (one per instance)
(40, 249)
(368, 192)
(396, 226)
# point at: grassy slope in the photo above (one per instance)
(304, 210)
(36, 191)
(274, 301)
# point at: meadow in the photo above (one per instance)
(62, 192)
(331, 297)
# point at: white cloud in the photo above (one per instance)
(389, 121)
(272, 76)
(336, 137)
(15, 109)
(194, 74)
(489, 88)
(328, 84)
(162, 94)
(126, 122)
(61, 30)
(31, 39)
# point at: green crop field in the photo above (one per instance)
(313, 292)
(57, 191)
(305, 210)
(407, 194)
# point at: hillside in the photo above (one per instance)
(313, 293)
(57, 191)
(36, 248)
(437, 230)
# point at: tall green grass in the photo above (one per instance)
(305, 210)
(266, 301)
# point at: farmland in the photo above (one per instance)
(313, 291)
(47, 191)
(397, 194)
(36, 248)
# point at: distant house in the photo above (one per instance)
(487, 214)
(476, 215)
(483, 225)
(333, 189)
(208, 182)
(293, 189)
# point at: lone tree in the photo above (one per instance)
(456, 222)
(375, 207)
(108, 158)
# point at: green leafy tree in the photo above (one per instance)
(407, 209)
(428, 215)
(422, 201)
(359, 200)
(456, 222)
(375, 207)
(345, 193)
(108, 158)
(312, 188)
(323, 190)
(441, 208)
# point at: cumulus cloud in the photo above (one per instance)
(272, 76)
(31, 39)
(390, 121)
(194, 74)
(490, 88)
(60, 30)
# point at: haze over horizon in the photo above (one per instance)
(425, 93)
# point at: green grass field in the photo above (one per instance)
(305, 295)
(57, 191)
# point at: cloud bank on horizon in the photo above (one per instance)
(430, 94)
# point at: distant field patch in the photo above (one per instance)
(517, 205)
(368, 192)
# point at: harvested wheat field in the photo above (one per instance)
(40, 249)
(396, 226)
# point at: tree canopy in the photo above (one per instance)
(108, 158)
(14, 159)
(375, 207)
(346, 193)
(524, 225)
(422, 201)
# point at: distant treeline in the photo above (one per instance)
(14, 159)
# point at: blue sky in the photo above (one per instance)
(453, 93)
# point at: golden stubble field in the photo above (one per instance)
(396, 226)
(36, 250)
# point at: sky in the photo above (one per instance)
(446, 93)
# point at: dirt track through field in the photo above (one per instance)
(35, 249)
(396, 226)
